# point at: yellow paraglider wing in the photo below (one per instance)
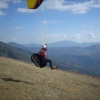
(31, 3)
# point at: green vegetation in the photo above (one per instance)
(24, 81)
(11, 52)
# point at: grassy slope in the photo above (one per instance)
(24, 81)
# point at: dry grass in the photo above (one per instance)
(24, 81)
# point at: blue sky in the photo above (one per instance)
(54, 20)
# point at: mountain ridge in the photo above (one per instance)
(15, 53)
(64, 43)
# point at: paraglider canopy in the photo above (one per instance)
(34, 4)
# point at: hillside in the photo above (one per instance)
(24, 81)
(15, 53)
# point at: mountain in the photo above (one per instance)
(94, 47)
(15, 53)
(22, 47)
(32, 45)
(54, 44)
(87, 44)
(24, 81)
(92, 51)
(66, 43)
(16, 45)
(63, 44)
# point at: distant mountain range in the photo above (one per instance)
(79, 59)
(61, 44)
(71, 44)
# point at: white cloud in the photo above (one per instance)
(52, 21)
(14, 40)
(15, 28)
(64, 36)
(4, 4)
(2, 13)
(44, 22)
(16, 1)
(75, 36)
(91, 26)
(55, 21)
(91, 35)
(74, 7)
(25, 10)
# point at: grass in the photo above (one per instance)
(24, 81)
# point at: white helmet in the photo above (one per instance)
(44, 47)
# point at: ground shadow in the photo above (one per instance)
(13, 80)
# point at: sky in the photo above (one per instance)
(53, 20)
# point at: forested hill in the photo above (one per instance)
(15, 53)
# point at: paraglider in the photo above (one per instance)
(34, 4)
(39, 59)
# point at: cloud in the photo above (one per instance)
(55, 21)
(14, 40)
(91, 26)
(91, 35)
(16, 1)
(25, 10)
(52, 21)
(75, 36)
(15, 28)
(4, 4)
(44, 22)
(74, 7)
(64, 36)
(2, 13)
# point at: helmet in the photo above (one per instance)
(44, 47)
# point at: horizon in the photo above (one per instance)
(51, 42)
(53, 21)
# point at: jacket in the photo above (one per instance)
(42, 53)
